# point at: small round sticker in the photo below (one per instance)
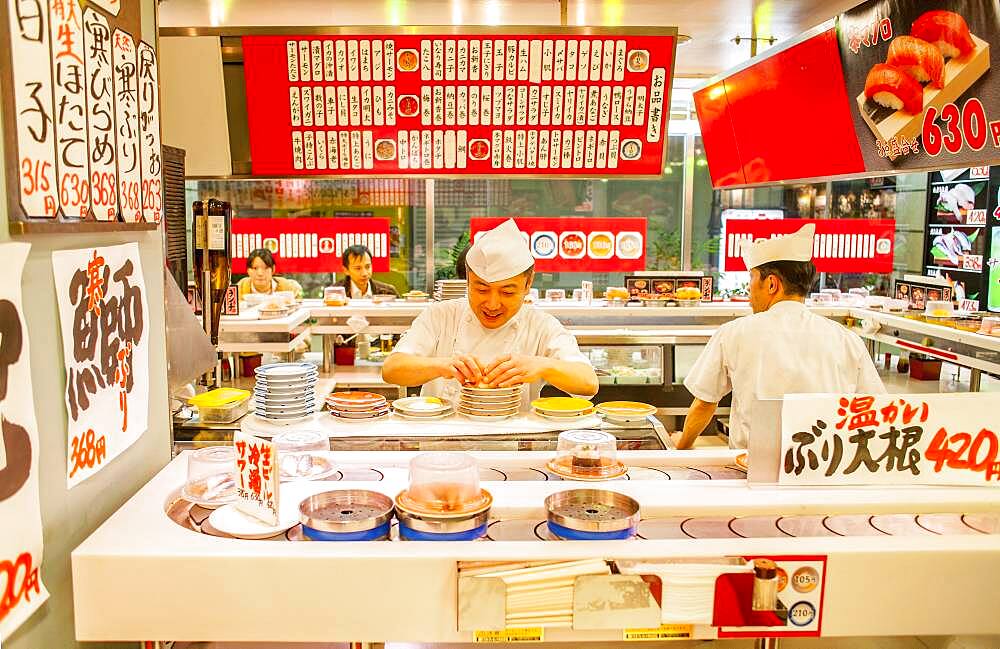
(805, 579)
(802, 614)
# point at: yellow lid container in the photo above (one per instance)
(219, 397)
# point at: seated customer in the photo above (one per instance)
(260, 276)
(358, 282)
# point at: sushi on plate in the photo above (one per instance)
(946, 30)
(891, 87)
(918, 58)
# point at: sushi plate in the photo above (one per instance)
(556, 406)
(421, 405)
(959, 76)
(565, 418)
(279, 371)
(487, 417)
(282, 421)
(411, 417)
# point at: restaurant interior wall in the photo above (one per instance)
(69, 516)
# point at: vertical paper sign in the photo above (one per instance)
(126, 100)
(31, 69)
(100, 116)
(149, 131)
(21, 588)
(257, 477)
(70, 116)
(934, 439)
(102, 311)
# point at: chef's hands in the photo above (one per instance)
(464, 368)
(511, 370)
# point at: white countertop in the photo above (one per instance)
(210, 588)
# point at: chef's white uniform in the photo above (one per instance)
(450, 328)
(784, 350)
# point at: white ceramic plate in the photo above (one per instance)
(231, 521)
(488, 417)
(356, 420)
(565, 418)
(409, 417)
(420, 405)
(280, 370)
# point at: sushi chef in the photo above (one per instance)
(781, 349)
(493, 339)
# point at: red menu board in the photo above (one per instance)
(578, 244)
(840, 245)
(311, 244)
(558, 102)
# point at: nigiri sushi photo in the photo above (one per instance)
(946, 30)
(918, 58)
(891, 87)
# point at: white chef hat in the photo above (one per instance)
(797, 246)
(500, 253)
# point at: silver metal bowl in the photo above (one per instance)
(432, 525)
(592, 510)
(345, 510)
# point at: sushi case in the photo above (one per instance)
(960, 226)
(921, 79)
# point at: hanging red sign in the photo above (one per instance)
(562, 102)
(840, 245)
(310, 245)
(579, 244)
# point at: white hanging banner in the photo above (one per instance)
(931, 439)
(21, 588)
(102, 312)
(70, 117)
(31, 69)
(126, 99)
(149, 129)
(100, 116)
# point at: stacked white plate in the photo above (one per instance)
(450, 289)
(422, 408)
(490, 404)
(285, 392)
(357, 406)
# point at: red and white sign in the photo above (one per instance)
(21, 589)
(310, 244)
(564, 103)
(890, 439)
(840, 245)
(578, 244)
(257, 477)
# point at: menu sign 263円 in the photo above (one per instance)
(553, 102)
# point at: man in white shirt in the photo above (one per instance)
(492, 339)
(781, 349)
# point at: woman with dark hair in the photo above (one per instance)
(260, 276)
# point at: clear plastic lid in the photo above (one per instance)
(863, 292)
(822, 298)
(298, 453)
(587, 455)
(443, 483)
(555, 294)
(211, 476)
(616, 293)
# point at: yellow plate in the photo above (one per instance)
(562, 404)
(626, 409)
